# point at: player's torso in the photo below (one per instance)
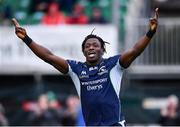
(98, 97)
(98, 87)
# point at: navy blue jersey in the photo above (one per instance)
(98, 88)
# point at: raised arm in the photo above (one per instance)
(130, 55)
(43, 53)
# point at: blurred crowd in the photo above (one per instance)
(48, 110)
(52, 12)
(169, 113)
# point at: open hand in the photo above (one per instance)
(20, 32)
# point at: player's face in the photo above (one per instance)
(93, 51)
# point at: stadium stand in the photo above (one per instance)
(22, 10)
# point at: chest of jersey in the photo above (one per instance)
(95, 84)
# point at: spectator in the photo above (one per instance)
(169, 113)
(5, 14)
(53, 103)
(67, 5)
(39, 5)
(78, 16)
(53, 15)
(71, 111)
(3, 119)
(44, 113)
(97, 17)
(37, 10)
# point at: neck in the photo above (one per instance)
(94, 63)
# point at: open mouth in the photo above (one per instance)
(91, 54)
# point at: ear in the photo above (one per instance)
(102, 52)
(83, 53)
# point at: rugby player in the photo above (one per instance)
(97, 80)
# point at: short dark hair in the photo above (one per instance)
(97, 37)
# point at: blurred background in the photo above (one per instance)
(34, 93)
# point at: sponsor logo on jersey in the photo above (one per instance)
(83, 75)
(96, 87)
(93, 68)
(98, 81)
(94, 84)
(102, 70)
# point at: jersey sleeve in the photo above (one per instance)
(114, 60)
(72, 66)
(73, 73)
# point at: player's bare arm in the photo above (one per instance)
(40, 51)
(130, 55)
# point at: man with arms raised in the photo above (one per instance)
(97, 80)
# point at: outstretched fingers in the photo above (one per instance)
(15, 22)
(156, 15)
(20, 32)
(154, 20)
